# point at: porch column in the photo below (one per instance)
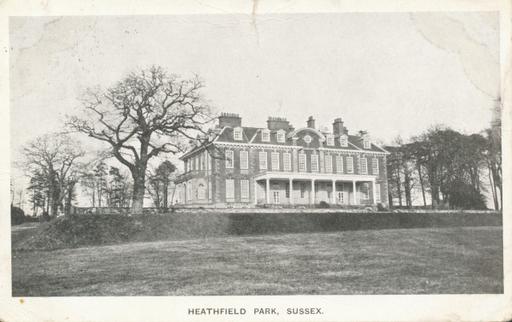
(333, 196)
(291, 191)
(267, 181)
(373, 193)
(185, 192)
(312, 198)
(255, 192)
(354, 198)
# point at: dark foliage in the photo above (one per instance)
(323, 205)
(465, 196)
(18, 216)
(86, 230)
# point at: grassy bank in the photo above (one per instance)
(391, 261)
(89, 230)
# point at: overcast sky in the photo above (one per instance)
(389, 73)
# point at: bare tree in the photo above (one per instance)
(142, 116)
(53, 156)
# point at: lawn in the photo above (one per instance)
(393, 261)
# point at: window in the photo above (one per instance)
(339, 164)
(344, 141)
(263, 160)
(330, 139)
(364, 166)
(328, 163)
(350, 165)
(377, 192)
(230, 189)
(375, 166)
(314, 162)
(244, 189)
(244, 160)
(275, 160)
(280, 136)
(186, 165)
(201, 192)
(189, 191)
(287, 193)
(302, 162)
(366, 142)
(275, 197)
(265, 136)
(340, 197)
(302, 189)
(287, 161)
(230, 159)
(237, 134)
(365, 191)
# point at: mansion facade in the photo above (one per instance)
(280, 165)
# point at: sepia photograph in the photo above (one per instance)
(341, 153)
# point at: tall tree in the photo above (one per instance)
(38, 188)
(118, 188)
(146, 114)
(165, 172)
(159, 182)
(53, 156)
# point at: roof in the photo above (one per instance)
(252, 135)
(358, 141)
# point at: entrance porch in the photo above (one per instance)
(309, 189)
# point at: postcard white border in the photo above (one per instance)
(337, 308)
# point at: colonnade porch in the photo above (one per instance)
(309, 189)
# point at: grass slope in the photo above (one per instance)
(393, 261)
(88, 230)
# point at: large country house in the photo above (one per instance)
(280, 165)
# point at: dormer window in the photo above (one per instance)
(237, 134)
(330, 139)
(265, 136)
(344, 141)
(366, 142)
(280, 136)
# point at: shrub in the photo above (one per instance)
(323, 204)
(382, 207)
(17, 216)
(44, 217)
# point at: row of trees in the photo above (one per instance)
(56, 167)
(448, 168)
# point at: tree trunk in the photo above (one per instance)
(407, 188)
(422, 186)
(399, 187)
(493, 190)
(55, 204)
(165, 195)
(390, 199)
(172, 197)
(99, 196)
(48, 200)
(138, 192)
(67, 207)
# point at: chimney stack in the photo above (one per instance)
(278, 123)
(338, 128)
(311, 122)
(230, 119)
